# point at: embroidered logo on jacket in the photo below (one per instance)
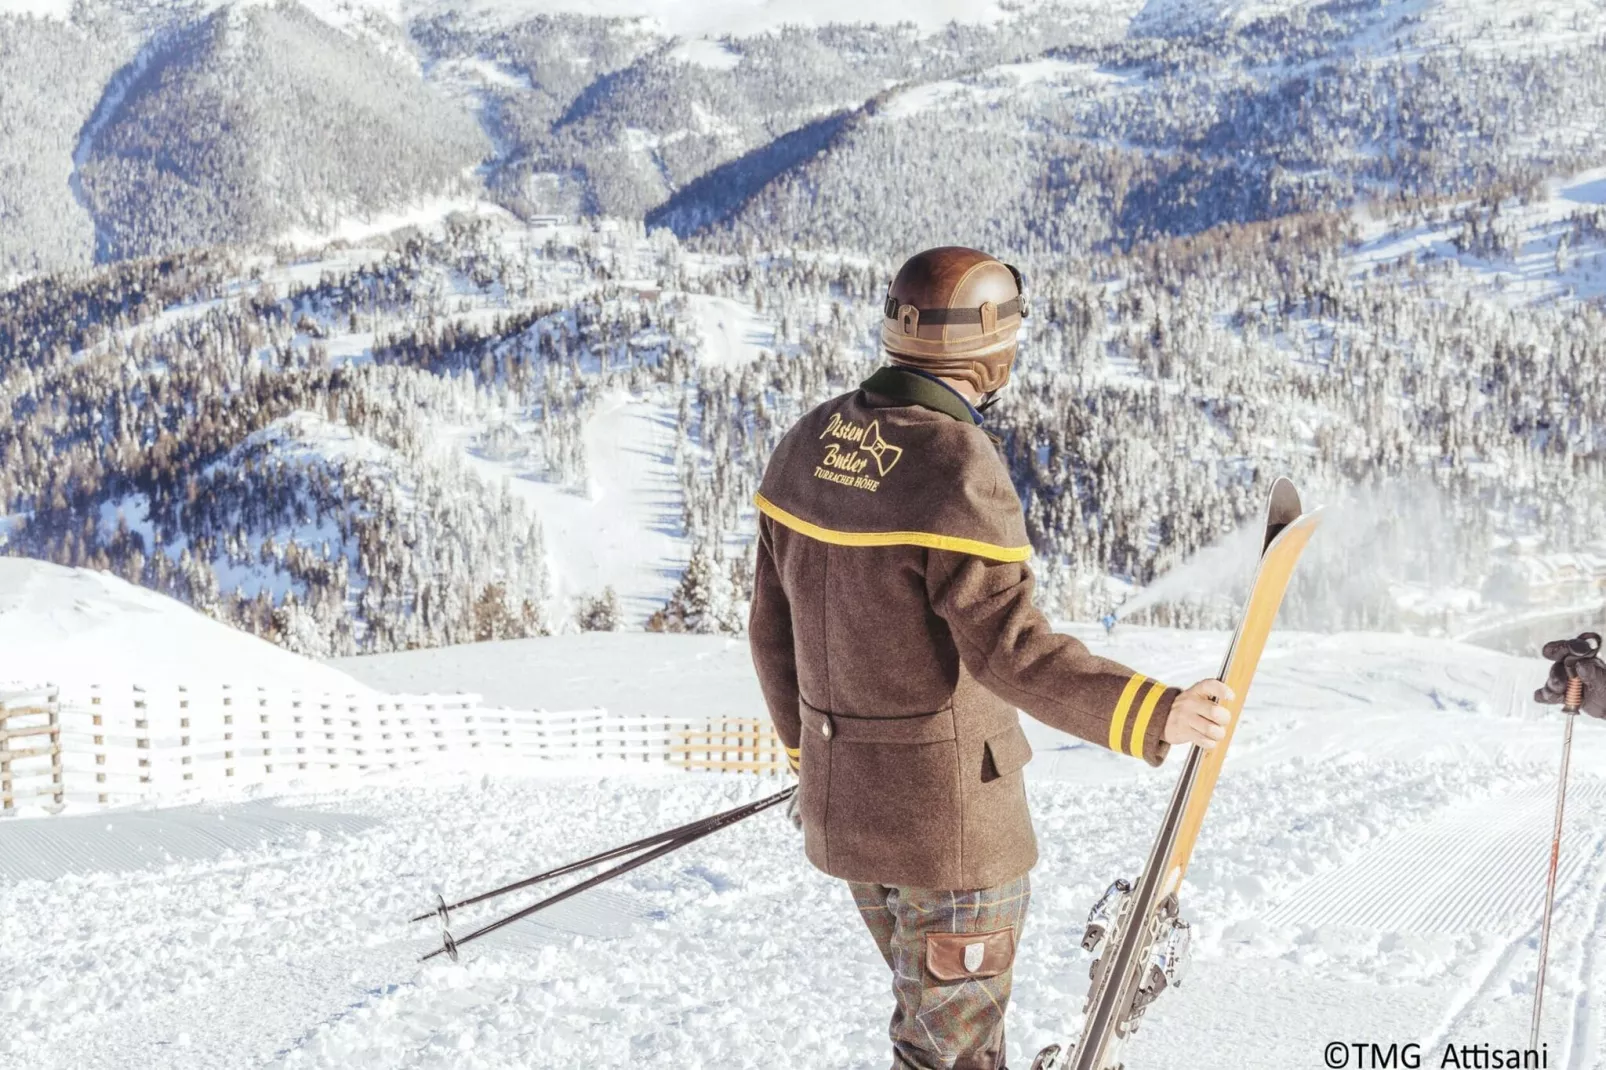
(846, 464)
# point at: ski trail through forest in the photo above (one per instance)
(732, 332)
(622, 529)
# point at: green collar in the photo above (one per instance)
(903, 385)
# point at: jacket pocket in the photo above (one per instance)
(892, 810)
(1007, 752)
(936, 727)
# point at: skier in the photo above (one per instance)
(1108, 620)
(894, 636)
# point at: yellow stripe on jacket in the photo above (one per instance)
(1145, 714)
(929, 540)
(1122, 707)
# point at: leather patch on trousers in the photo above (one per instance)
(969, 956)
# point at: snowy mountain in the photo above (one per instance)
(775, 116)
(259, 118)
(55, 75)
(498, 346)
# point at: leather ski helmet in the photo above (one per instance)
(954, 312)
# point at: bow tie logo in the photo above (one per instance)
(885, 453)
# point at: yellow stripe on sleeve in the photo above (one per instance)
(1141, 729)
(926, 539)
(1122, 708)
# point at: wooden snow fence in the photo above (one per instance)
(30, 748)
(130, 743)
(110, 745)
(732, 746)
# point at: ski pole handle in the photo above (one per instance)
(1567, 655)
(1575, 696)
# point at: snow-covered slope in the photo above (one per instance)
(1484, 26)
(382, 140)
(1550, 246)
(1194, 16)
(76, 626)
(622, 529)
(631, 674)
(1371, 868)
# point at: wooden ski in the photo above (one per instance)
(1138, 934)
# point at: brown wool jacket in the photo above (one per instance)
(894, 635)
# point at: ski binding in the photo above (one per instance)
(1108, 913)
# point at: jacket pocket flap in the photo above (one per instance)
(1007, 752)
(920, 728)
(969, 956)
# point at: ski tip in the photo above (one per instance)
(1282, 504)
(1282, 509)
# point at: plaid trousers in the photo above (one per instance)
(955, 1021)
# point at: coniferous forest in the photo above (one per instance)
(1360, 245)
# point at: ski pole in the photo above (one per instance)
(1574, 702)
(708, 827)
(443, 908)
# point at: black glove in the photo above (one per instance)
(1575, 657)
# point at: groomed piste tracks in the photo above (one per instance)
(1477, 869)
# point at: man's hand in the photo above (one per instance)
(1593, 674)
(1196, 718)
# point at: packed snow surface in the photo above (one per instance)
(69, 625)
(631, 674)
(1371, 869)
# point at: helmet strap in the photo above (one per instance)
(988, 400)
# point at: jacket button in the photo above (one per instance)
(825, 729)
